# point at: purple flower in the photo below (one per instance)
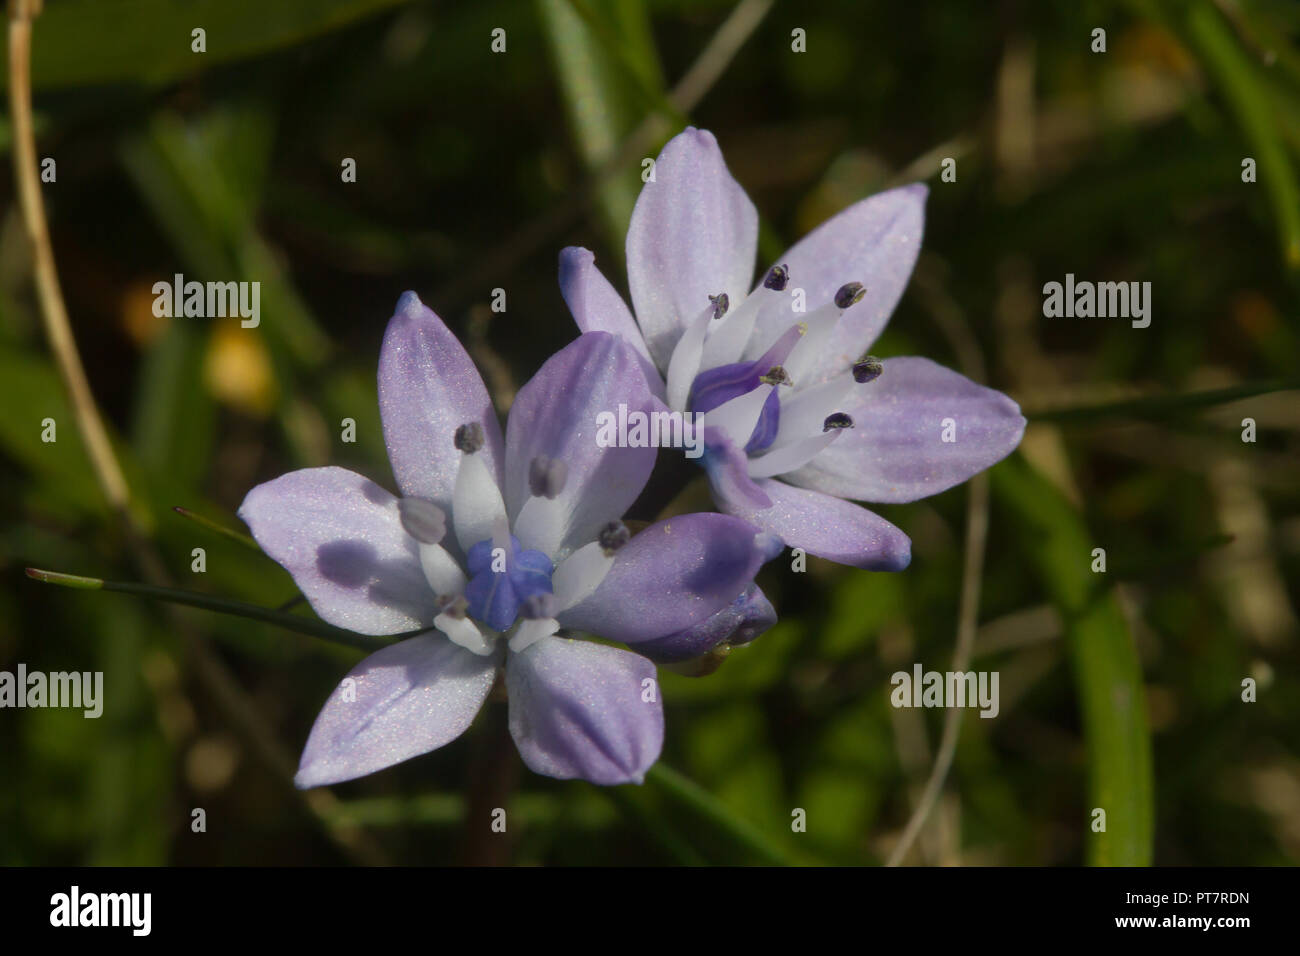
(797, 415)
(493, 548)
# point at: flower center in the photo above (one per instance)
(501, 583)
(788, 359)
(717, 386)
(720, 385)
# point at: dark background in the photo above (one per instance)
(473, 169)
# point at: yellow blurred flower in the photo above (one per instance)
(237, 369)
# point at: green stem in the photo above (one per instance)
(1107, 670)
(208, 602)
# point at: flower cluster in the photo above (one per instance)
(505, 552)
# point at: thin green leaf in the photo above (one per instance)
(1108, 674)
(77, 581)
(208, 602)
(1253, 105)
(1160, 406)
(220, 529)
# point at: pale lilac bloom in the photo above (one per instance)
(495, 546)
(797, 416)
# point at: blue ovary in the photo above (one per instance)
(495, 596)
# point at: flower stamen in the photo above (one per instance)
(422, 519)
(539, 606)
(777, 278)
(453, 606)
(546, 477)
(469, 438)
(867, 369)
(720, 304)
(849, 294)
(612, 537)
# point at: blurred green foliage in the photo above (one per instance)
(474, 168)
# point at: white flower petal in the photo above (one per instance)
(685, 362)
(805, 357)
(578, 575)
(790, 456)
(463, 631)
(441, 570)
(529, 631)
(729, 334)
(739, 416)
(541, 524)
(476, 503)
(804, 412)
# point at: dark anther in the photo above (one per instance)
(867, 370)
(777, 278)
(469, 437)
(850, 294)
(776, 375)
(423, 520)
(837, 420)
(720, 304)
(546, 477)
(613, 536)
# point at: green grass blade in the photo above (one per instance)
(208, 602)
(1160, 406)
(609, 77)
(1253, 104)
(220, 529)
(1108, 675)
